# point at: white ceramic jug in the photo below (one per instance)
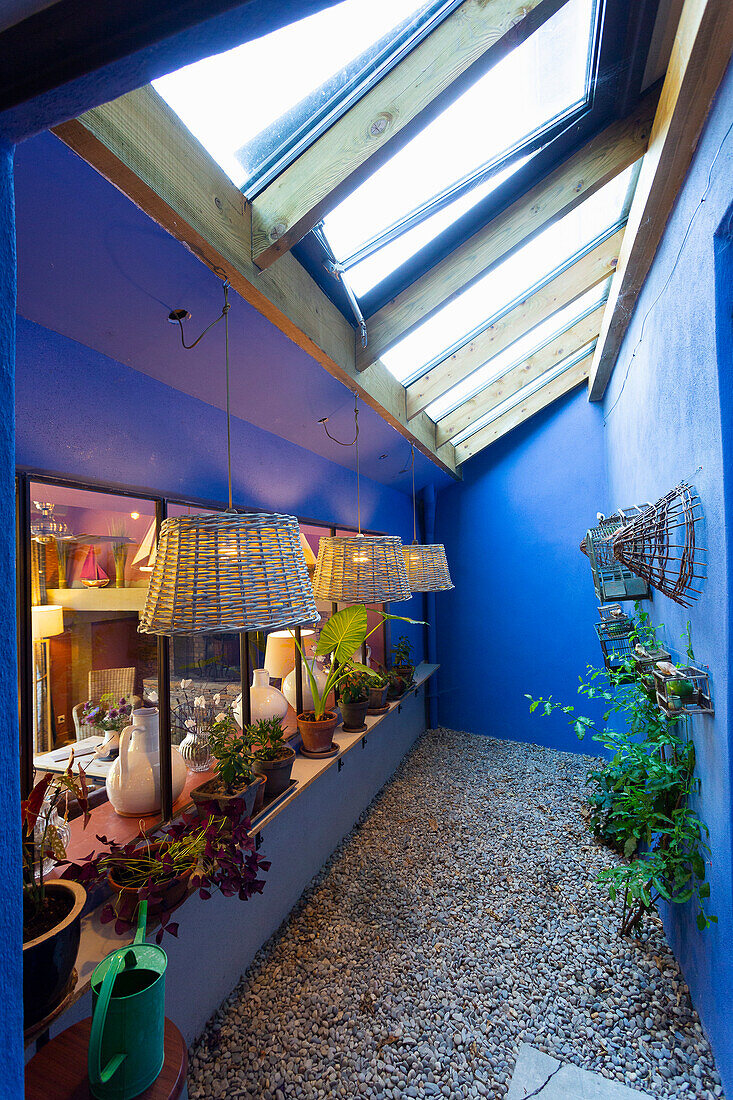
(133, 783)
(289, 683)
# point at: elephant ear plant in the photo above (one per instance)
(343, 635)
(639, 799)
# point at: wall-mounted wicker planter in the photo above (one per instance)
(687, 691)
(614, 636)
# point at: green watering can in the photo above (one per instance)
(128, 1018)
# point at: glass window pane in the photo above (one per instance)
(510, 280)
(520, 350)
(243, 103)
(542, 79)
(89, 554)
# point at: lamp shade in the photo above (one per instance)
(310, 557)
(427, 568)
(280, 652)
(47, 620)
(224, 571)
(361, 569)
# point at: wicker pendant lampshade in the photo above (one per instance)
(222, 572)
(427, 568)
(361, 569)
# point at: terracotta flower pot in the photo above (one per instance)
(172, 891)
(377, 699)
(317, 735)
(353, 714)
(48, 959)
(276, 773)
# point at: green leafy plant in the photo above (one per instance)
(267, 739)
(232, 752)
(402, 653)
(639, 799)
(355, 687)
(343, 635)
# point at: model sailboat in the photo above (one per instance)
(148, 549)
(92, 574)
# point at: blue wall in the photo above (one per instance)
(520, 618)
(86, 416)
(11, 923)
(668, 411)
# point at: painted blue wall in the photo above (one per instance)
(11, 922)
(520, 618)
(669, 410)
(86, 416)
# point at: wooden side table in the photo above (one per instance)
(59, 1070)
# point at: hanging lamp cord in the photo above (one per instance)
(414, 519)
(352, 443)
(189, 347)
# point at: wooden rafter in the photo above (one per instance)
(139, 145)
(571, 378)
(592, 268)
(549, 356)
(700, 56)
(478, 31)
(581, 175)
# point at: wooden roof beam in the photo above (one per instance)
(571, 378)
(592, 268)
(546, 358)
(421, 83)
(580, 176)
(140, 146)
(700, 55)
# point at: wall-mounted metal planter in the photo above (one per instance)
(686, 691)
(614, 635)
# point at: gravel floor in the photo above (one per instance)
(457, 919)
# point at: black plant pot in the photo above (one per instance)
(353, 714)
(48, 960)
(276, 772)
(377, 699)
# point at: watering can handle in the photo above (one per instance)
(97, 1075)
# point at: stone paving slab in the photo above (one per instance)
(538, 1075)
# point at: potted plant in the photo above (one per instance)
(234, 777)
(190, 854)
(402, 659)
(378, 688)
(109, 717)
(344, 634)
(354, 699)
(51, 910)
(272, 758)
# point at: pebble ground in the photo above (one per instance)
(459, 918)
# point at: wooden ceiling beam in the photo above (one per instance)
(571, 378)
(580, 176)
(139, 145)
(597, 264)
(477, 31)
(700, 56)
(550, 355)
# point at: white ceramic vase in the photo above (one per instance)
(133, 783)
(289, 685)
(265, 701)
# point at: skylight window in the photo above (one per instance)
(520, 350)
(511, 280)
(543, 80)
(248, 105)
(525, 392)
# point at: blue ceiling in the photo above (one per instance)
(93, 267)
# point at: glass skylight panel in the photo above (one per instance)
(522, 395)
(229, 100)
(510, 281)
(541, 80)
(518, 351)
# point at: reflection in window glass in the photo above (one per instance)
(243, 103)
(520, 350)
(544, 78)
(90, 555)
(510, 280)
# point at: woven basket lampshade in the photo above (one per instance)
(427, 568)
(223, 571)
(361, 569)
